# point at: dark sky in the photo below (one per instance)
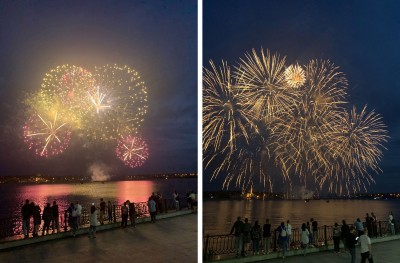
(361, 37)
(156, 38)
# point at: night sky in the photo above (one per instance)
(158, 39)
(361, 37)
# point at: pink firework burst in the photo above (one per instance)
(133, 151)
(46, 136)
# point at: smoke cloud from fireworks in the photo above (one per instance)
(99, 172)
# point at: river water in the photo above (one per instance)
(13, 196)
(219, 215)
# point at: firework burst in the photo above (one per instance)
(356, 149)
(133, 151)
(105, 105)
(118, 103)
(261, 120)
(295, 76)
(68, 85)
(46, 136)
(262, 81)
(224, 117)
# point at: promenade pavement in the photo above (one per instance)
(384, 250)
(172, 239)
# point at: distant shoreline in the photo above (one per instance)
(238, 195)
(40, 179)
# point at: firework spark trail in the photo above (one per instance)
(225, 119)
(292, 119)
(97, 99)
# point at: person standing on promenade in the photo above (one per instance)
(374, 224)
(368, 224)
(47, 214)
(289, 233)
(246, 236)
(193, 198)
(391, 223)
(109, 211)
(359, 227)
(176, 199)
(266, 236)
(26, 218)
(345, 230)
(189, 200)
(132, 213)
(55, 217)
(305, 240)
(282, 238)
(365, 247)
(72, 218)
(92, 221)
(36, 219)
(124, 215)
(256, 237)
(351, 243)
(152, 209)
(78, 213)
(310, 236)
(237, 230)
(102, 211)
(314, 225)
(336, 237)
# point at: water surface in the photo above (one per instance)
(219, 215)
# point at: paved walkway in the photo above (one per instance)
(384, 250)
(172, 239)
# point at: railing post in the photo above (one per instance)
(114, 215)
(206, 249)
(380, 228)
(326, 235)
(65, 221)
(275, 241)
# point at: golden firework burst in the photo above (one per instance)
(295, 76)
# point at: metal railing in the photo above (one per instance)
(214, 245)
(12, 226)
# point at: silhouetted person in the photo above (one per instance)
(132, 213)
(124, 215)
(47, 215)
(55, 217)
(152, 209)
(36, 219)
(102, 211)
(26, 218)
(237, 230)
